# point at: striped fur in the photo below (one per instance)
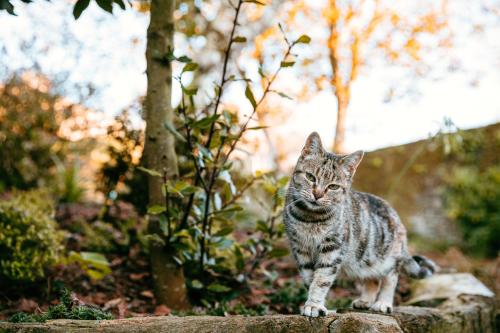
(338, 232)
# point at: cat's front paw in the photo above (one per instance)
(314, 310)
(361, 304)
(381, 307)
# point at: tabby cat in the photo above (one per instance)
(335, 231)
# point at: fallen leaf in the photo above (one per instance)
(122, 309)
(147, 293)
(112, 303)
(162, 310)
(27, 305)
(137, 276)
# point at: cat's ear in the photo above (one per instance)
(313, 145)
(351, 161)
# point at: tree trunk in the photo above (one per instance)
(159, 150)
(342, 103)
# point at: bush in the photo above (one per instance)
(472, 199)
(290, 297)
(66, 309)
(29, 239)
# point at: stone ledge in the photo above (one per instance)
(467, 314)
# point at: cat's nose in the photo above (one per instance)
(318, 193)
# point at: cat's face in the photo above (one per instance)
(322, 178)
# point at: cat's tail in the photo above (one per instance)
(419, 267)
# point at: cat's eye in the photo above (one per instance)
(333, 187)
(310, 177)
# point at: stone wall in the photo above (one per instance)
(465, 314)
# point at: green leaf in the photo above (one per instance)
(304, 39)
(169, 126)
(223, 244)
(250, 97)
(184, 59)
(156, 209)
(255, 2)
(239, 39)
(283, 181)
(184, 187)
(218, 288)
(262, 226)
(224, 231)
(196, 284)
(150, 172)
(256, 128)
(277, 253)
(95, 274)
(192, 66)
(226, 176)
(217, 201)
(240, 262)
(6, 5)
(120, 3)
(229, 210)
(79, 7)
(287, 63)
(205, 152)
(190, 92)
(284, 95)
(205, 122)
(261, 72)
(107, 5)
(94, 257)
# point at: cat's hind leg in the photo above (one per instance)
(385, 296)
(369, 291)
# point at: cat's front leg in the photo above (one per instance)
(305, 263)
(325, 271)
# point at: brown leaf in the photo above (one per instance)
(27, 305)
(147, 293)
(162, 310)
(137, 276)
(99, 298)
(112, 303)
(122, 309)
(116, 262)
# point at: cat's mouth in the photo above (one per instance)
(316, 203)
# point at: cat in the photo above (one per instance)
(335, 231)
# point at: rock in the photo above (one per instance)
(447, 286)
(457, 313)
(465, 314)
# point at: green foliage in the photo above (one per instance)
(29, 238)
(472, 200)
(9, 7)
(66, 309)
(67, 188)
(106, 5)
(291, 296)
(119, 175)
(34, 154)
(94, 264)
(203, 205)
(29, 122)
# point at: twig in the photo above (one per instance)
(223, 80)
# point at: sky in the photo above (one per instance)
(108, 51)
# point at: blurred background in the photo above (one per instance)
(415, 84)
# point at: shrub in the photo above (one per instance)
(472, 199)
(28, 134)
(289, 297)
(29, 239)
(66, 309)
